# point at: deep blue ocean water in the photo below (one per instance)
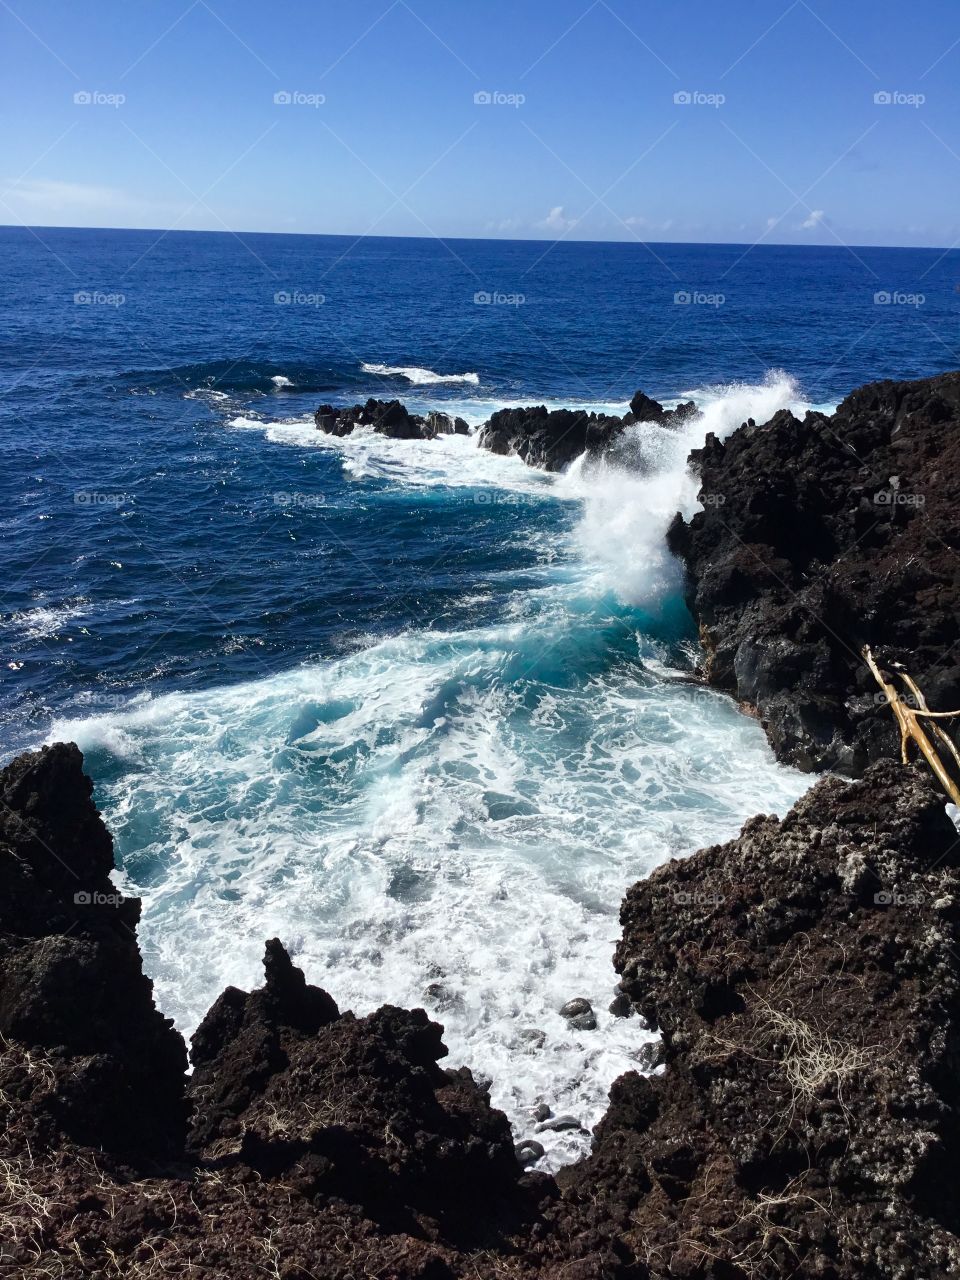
(420, 711)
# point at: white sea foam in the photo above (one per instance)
(419, 377)
(279, 380)
(440, 820)
(452, 461)
(451, 819)
(630, 498)
(46, 621)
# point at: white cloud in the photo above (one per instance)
(816, 219)
(771, 223)
(52, 195)
(556, 220)
(638, 223)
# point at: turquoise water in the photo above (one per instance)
(418, 710)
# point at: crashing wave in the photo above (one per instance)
(419, 377)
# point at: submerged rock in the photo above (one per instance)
(579, 1014)
(529, 1152)
(560, 1124)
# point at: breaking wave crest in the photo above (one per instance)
(450, 818)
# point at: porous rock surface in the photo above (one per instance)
(822, 536)
(552, 439)
(803, 1120)
(388, 418)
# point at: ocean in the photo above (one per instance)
(421, 712)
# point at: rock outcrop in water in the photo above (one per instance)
(805, 977)
(548, 439)
(552, 439)
(818, 537)
(388, 418)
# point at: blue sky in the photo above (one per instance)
(162, 113)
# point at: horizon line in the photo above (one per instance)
(460, 239)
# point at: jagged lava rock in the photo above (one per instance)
(821, 536)
(71, 981)
(552, 439)
(806, 979)
(388, 418)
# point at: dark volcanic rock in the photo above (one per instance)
(579, 1014)
(552, 439)
(319, 1143)
(286, 1085)
(821, 536)
(389, 418)
(71, 984)
(643, 409)
(806, 978)
(444, 424)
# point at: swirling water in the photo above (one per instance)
(418, 710)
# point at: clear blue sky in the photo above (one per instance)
(798, 151)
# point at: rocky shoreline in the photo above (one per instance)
(804, 1119)
(805, 979)
(816, 538)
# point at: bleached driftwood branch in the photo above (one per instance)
(911, 729)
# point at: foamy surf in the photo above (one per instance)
(449, 461)
(630, 497)
(441, 820)
(450, 819)
(419, 377)
(46, 621)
